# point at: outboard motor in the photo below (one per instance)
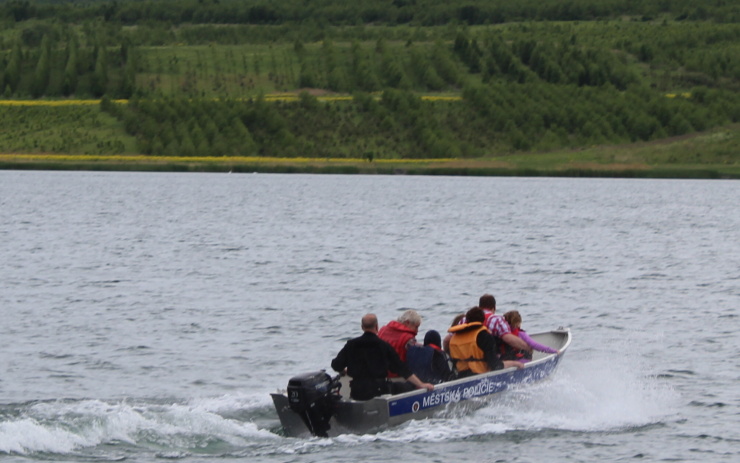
(313, 397)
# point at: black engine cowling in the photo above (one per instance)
(313, 397)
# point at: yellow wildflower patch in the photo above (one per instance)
(54, 102)
(441, 98)
(202, 159)
(682, 95)
(268, 97)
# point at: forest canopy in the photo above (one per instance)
(377, 12)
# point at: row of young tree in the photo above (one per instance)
(399, 124)
(71, 70)
(66, 68)
(341, 12)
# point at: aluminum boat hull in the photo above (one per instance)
(386, 411)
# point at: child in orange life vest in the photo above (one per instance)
(509, 353)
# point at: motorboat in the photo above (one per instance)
(317, 404)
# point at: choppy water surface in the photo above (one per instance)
(148, 316)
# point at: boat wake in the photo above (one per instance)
(112, 430)
(585, 395)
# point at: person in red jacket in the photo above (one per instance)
(402, 332)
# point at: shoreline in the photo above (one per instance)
(497, 167)
(712, 154)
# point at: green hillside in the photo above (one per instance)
(376, 80)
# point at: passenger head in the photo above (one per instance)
(458, 318)
(487, 301)
(370, 323)
(410, 318)
(432, 338)
(513, 318)
(475, 315)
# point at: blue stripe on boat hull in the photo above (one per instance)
(468, 388)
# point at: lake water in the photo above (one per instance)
(147, 316)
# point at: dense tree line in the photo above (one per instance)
(342, 12)
(399, 124)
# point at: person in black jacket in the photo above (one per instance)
(368, 359)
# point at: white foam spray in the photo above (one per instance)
(605, 391)
(64, 427)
